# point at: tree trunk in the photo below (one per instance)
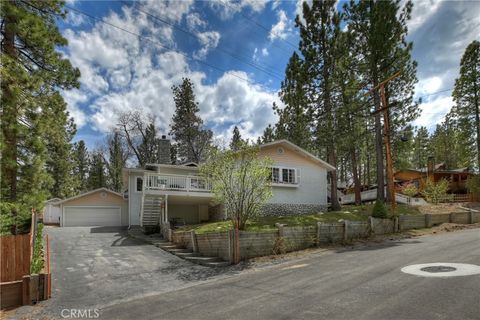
(356, 179)
(379, 150)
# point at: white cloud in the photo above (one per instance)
(275, 4)
(172, 10)
(282, 28)
(421, 12)
(73, 98)
(434, 111)
(209, 40)
(265, 52)
(429, 85)
(227, 8)
(194, 21)
(75, 19)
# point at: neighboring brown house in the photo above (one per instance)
(457, 177)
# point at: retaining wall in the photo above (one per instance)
(284, 238)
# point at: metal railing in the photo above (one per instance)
(176, 183)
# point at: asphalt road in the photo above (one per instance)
(361, 283)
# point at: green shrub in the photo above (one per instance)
(473, 185)
(435, 192)
(379, 210)
(37, 259)
(410, 190)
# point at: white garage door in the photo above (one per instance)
(91, 216)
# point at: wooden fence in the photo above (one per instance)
(16, 254)
(17, 286)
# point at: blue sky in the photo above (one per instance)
(235, 53)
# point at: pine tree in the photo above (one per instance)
(237, 141)
(319, 34)
(448, 145)
(60, 163)
(117, 158)
(32, 72)
(420, 148)
(466, 95)
(81, 162)
(294, 122)
(379, 29)
(96, 173)
(192, 139)
(268, 135)
(149, 147)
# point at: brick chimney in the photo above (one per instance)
(164, 150)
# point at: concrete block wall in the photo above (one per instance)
(214, 245)
(357, 230)
(460, 217)
(412, 222)
(330, 233)
(382, 226)
(256, 244)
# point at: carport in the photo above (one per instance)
(100, 207)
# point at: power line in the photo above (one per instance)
(165, 47)
(274, 73)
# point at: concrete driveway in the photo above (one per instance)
(95, 267)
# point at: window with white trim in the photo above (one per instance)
(276, 175)
(284, 175)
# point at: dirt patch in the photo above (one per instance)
(441, 208)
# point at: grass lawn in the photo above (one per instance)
(353, 213)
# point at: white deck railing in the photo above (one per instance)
(176, 183)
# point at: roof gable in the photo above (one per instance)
(89, 193)
(291, 146)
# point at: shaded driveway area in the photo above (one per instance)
(95, 267)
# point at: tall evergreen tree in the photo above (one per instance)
(81, 165)
(466, 95)
(149, 148)
(117, 158)
(237, 141)
(32, 72)
(96, 173)
(448, 145)
(379, 29)
(60, 162)
(319, 34)
(192, 139)
(421, 148)
(294, 122)
(268, 135)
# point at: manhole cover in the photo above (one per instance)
(442, 269)
(435, 269)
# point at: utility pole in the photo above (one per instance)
(386, 136)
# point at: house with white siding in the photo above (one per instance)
(161, 193)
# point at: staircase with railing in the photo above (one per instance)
(151, 210)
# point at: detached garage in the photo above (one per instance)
(100, 207)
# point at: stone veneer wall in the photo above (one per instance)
(286, 209)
